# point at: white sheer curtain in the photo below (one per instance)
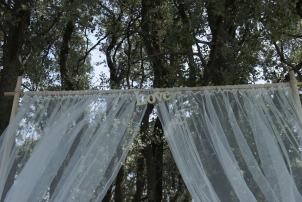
(229, 145)
(67, 148)
(236, 145)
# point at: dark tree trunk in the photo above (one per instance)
(119, 193)
(108, 195)
(115, 80)
(153, 152)
(140, 182)
(66, 77)
(188, 42)
(154, 163)
(12, 68)
(144, 131)
(67, 83)
(151, 19)
(299, 8)
(221, 67)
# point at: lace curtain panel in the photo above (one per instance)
(67, 148)
(236, 145)
(229, 145)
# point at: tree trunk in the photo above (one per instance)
(144, 131)
(299, 8)
(108, 195)
(221, 67)
(154, 164)
(12, 68)
(66, 84)
(140, 182)
(151, 26)
(115, 83)
(66, 79)
(188, 42)
(119, 193)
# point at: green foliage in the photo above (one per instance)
(196, 42)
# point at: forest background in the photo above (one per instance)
(118, 44)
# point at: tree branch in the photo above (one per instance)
(280, 53)
(84, 57)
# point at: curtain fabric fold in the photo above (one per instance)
(236, 145)
(229, 145)
(79, 144)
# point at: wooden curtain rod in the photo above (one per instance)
(91, 92)
(293, 83)
(16, 95)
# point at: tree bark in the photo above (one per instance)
(119, 193)
(221, 67)
(151, 26)
(188, 43)
(115, 80)
(108, 195)
(140, 182)
(144, 131)
(299, 8)
(66, 79)
(12, 67)
(154, 164)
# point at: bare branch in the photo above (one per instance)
(111, 13)
(281, 55)
(84, 57)
(52, 25)
(200, 55)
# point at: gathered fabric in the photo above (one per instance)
(229, 144)
(236, 145)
